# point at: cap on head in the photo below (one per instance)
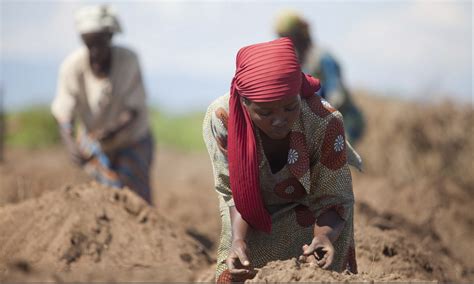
(289, 23)
(97, 18)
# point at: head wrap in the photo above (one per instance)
(289, 23)
(264, 72)
(97, 18)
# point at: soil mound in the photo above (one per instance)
(91, 232)
(413, 215)
(419, 163)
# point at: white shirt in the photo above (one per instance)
(96, 103)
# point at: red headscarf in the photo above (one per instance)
(265, 72)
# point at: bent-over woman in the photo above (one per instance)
(279, 157)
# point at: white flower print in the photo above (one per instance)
(339, 143)
(289, 190)
(221, 124)
(292, 156)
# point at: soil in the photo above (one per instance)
(413, 219)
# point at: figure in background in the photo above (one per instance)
(280, 167)
(100, 106)
(320, 63)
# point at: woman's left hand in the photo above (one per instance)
(320, 251)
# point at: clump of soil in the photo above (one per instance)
(94, 233)
(384, 253)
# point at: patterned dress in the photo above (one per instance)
(315, 179)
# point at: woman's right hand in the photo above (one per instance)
(238, 261)
(72, 148)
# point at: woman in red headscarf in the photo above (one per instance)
(280, 167)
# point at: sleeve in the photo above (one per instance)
(135, 94)
(64, 104)
(330, 175)
(215, 138)
(334, 89)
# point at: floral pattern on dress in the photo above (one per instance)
(298, 154)
(304, 216)
(327, 105)
(325, 188)
(222, 116)
(292, 156)
(332, 154)
(221, 138)
(339, 209)
(319, 106)
(225, 277)
(339, 143)
(222, 143)
(290, 189)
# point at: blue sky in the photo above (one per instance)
(410, 49)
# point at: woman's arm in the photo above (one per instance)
(215, 137)
(331, 200)
(327, 229)
(239, 225)
(329, 224)
(238, 261)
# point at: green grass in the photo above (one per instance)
(35, 127)
(183, 132)
(31, 128)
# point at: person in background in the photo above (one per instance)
(320, 63)
(100, 106)
(280, 167)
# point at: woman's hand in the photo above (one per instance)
(238, 261)
(326, 231)
(72, 148)
(320, 251)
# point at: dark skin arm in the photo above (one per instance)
(67, 137)
(327, 229)
(237, 261)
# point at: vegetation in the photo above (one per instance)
(35, 127)
(32, 128)
(183, 132)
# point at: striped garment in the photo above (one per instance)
(127, 166)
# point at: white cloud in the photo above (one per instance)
(413, 45)
(417, 43)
